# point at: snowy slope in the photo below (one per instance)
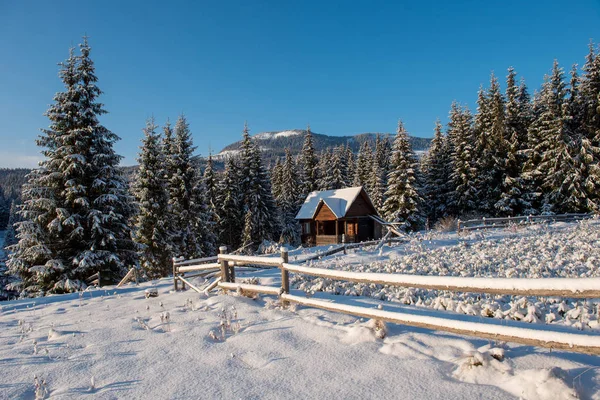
(273, 353)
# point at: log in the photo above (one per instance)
(190, 285)
(250, 288)
(581, 343)
(542, 287)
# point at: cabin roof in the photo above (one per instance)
(338, 201)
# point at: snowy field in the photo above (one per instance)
(115, 343)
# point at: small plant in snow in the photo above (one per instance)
(92, 384)
(228, 324)
(41, 388)
(142, 323)
(378, 327)
(165, 319)
(35, 348)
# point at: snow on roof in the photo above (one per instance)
(339, 201)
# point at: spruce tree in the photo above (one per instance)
(403, 199)
(10, 237)
(364, 163)
(230, 206)
(436, 177)
(152, 196)
(512, 201)
(210, 183)
(463, 198)
(257, 196)
(339, 168)
(76, 206)
(182, 201)
(309, 164)
(351, 163)
(289, 201)
(325, 168)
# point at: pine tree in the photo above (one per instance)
(257, 196)
(403, 199)
(551, 144)
(184, 217)
(210, 183)
(289, 201)
(325, 167)
(339, 168)
(76, 205)
(589, 101)
(463, 197)
(436, 177)
(364, 165)
(351, 163)
(512, 201)
(4, 210)
(10, 237)
(230, 206)
(151, 192)
(276, 180)
(309, 164)
(490, 147)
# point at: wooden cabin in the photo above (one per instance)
(335, 216)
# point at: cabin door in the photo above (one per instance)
(365, 229)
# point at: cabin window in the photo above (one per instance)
(306, 228)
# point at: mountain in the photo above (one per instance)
(273, 144)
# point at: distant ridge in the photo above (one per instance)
(273, 144)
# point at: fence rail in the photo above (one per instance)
(487, 223)
(562, 287)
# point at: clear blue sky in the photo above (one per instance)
(345, 67)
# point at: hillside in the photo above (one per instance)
(108, 343)
(273, 144)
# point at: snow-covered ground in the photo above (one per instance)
(115, 343)
(539, 251)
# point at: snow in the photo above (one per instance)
(185, 345)
(273, 135)
(116, 338)
(339, 201)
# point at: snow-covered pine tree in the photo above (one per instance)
(256, 192)
(109, 247)
(210, 183)
(549, 130)
(4, 210)
(490, 147)
(436, 177)
(10, 238)
(230, 206)
(339, 169)
(589, 94)
(325, 170)
(308, 161)
(512, 201)
(182, 180)
(364, 165)
(276, 176)
(289, 201)
(463, 198)
(351, 163)
(403, 199)
(204, 216)
(76, 205)
(151, 192)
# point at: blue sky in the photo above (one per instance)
(345, 67)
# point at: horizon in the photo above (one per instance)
(344, 71)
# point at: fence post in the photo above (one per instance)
(224, 265)
(174, 275)
(483, 221)
(285, 276)
(344, 242)
(458, 226)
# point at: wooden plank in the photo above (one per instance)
(201, 267)
(126, 277)
(249, 260)
(563, 287)
(566, 341)
(180, 262)
(212, 285)
(190, 285)
(250, 288)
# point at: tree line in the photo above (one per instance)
(515, 155)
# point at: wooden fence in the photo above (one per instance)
(564, 287)
(487, 223)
